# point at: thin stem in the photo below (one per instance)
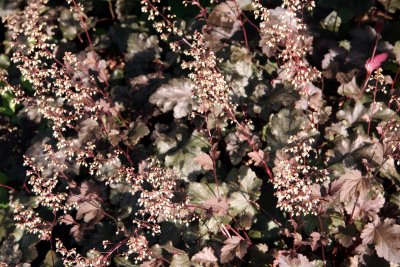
(251, 23)
(8, 187)
(354, 207)
(170, 24)
(393, 84)
(83, 24)
(266, 213)
(26, 188)
(242, 25)
(373, 107)
(210, 140)
(234, 231)
(368, 71)
(51, 236)
(322, 244)
(110, 7)
(118, 245)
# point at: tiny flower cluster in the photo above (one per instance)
(44, 186)
(71, 258)
(30, 221)
(82, 115)
(282, 29)
(298, 5)
(157, 187)
(380, 82)
(211, 89)
(57, 96)
(390, 139)
(164, 23)
(138, 246)
(294, 177)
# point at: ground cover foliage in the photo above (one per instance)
(198, 133)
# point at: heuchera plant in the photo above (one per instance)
(200, 133)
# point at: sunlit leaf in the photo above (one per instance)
(385, 236)
(233, 247)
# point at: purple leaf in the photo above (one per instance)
(375, 62)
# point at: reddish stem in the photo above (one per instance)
(84, 26)
(322, 244)
(242, 25)
(8, 187)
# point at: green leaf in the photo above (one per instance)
(8, 105)
(212, 225)
(200, 192)
(180, 260)
(120, 261)
(51, 260)
(389, 170)
(282, 125)
(311, 224)
(244, 4)
(332, 22)
(69, 24)
(28, 244)
(249, 190)
(239, 203)
(350, 115)
(255, 234)
(124, 8)
(350, 89)
(136, 131)
(183, 158)
(7, 7)
(141, 42)
(348, 9)
(396, 51)
(249, 182)
(4, 61)
(391, 5)
(26, 84)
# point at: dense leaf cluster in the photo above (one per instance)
(284, 152)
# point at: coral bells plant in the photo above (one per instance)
(199, 133)
(71, 99)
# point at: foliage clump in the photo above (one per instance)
(199, 133)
